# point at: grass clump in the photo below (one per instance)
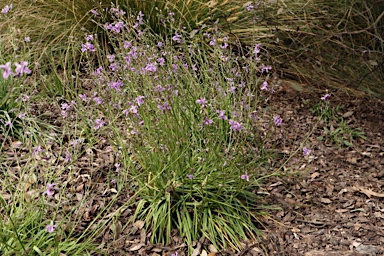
(335, 128)
(182, 124)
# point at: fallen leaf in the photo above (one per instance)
(325, 200)
(368, 192)
(136, 247)
(315, 175)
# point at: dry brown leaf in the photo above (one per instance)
(136, 247)
(325, 200)
(368, 192)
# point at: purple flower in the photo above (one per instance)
(88, 47)
(8, 123)
(99, 123)
(134, 109)
(127, 44)
(202, 102)
(164, 107)
(50, 228)
(177, 38)
(278, 120)
(89, 38)
(111, 57)
(257, 50)
(37, 150)
(65, 106)
(212, 42)
(50, 189)
(116, 85)
(189, 176)
(83, 97)
(95, 13)
(160, 88)
(140, 100)
(222, 114)
(265, 69)
(161, 61)
(175, 254)
(7, 8)
(325, 97)
(306, 151)
(22, 68)
(152, 67)
(245, 176)
(113, 67)
(265, 86)
(7, 70)
(250, 7)
(207, 121)
(68, 157)
(27, 39)
(235, 126)
(98, 100)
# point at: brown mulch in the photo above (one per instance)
(335, 207)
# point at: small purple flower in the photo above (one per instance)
(8, 123)
(265, 69)
(134, 109)
(27, 39)
(235, 126)
(83, 97)
(98, 100)
(127, 44)
(207, 121)
(250, 7)
(177, 38)
(164, 107)
(50, 228)
(50, 189)
(68, 157)
(325, 97)
(95, 13)
(265, 86)
(278, 120)
(306, 151)
(212, 42)
(189, 176)
(161, 61)
(111, 57)
(245, 176)
(88, 47)
(257, 51)
(116, 85)
(99, 123)
(7, 70)
(76, 142)
(89, 38)
(22, 68)
(6, 9)
(160, 88)
(37, 150)
(232, 89)
(152, 67)
(175, 254)
(222, 114)
(140, 100)
(202, 102)
(65, 106)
